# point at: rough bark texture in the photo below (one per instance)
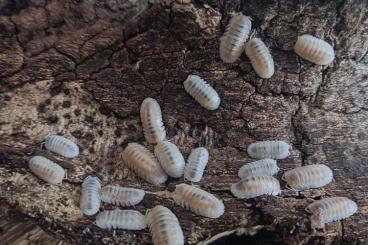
(82, 68)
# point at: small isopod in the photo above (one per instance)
(269, 149)
(233, 41)
(62, 146)
(260, 57)
(164, 226)
(90, 201)
(121, 219)
(46, 170)
(330, 209)
(202, 92)
(122, 196)
(307, 177)
(314, 49)
(151, 117)
(198, 201)
(197, 162)
(261, 167)
(171, 159)
(255, 186)
(144, 163)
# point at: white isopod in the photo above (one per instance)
(90, 201)
(164, 226)
(198, 201)
(269, 149)
(307, 177)
(233, 41)
(171, 159)
(330, 209)
(255, 186)
(62, 146)
(122, 196)
(197, 162)
(151, 117)
(46, 170)
(261, 167)
(260, 57)
(202, 92)
(121, 219)
(314, 49)
(144, 163)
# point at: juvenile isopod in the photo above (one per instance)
(307, 177)
(314, 49)
(171, 159)
(122, 196)
(62, 146)
(269, 149)
(233, 41)
(255, 186)
(202, 92)
(197, 162)
(260, 167)
(90, 201)
(260, 57)
(151, 117)
(330, 209)
(46, 170)
(198, 201)
(121, 219)
(164, 226)
(144, 163)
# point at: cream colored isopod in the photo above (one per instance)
(260, 57)
(255, 186)
(46, 170)
(151, 117)
(171, 159)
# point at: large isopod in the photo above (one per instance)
(62, 146)
(269, 149)
(121, 219)
(260, 57)
(255, 186)
(90, 201)
(260, 167)
(122, 196)
(197, 162)
(46, 170)
(151, 117)
(171, 159)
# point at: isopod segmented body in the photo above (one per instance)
(233, 41)
(144, 163)
(330, 209)
(90, 201)
(197, 162)
(255, 186)
(275, 149)
(307, 177)
(151, 117)
(62, 146)
(198, 201)
(121, 219)
(171, 159)
(164, 226)
(202, 92)
(122, 196)
(261, 167)
(46, 170)
(260, 57)
(314, 49)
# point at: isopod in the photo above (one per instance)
(197, 162)
(46, 170)
(122, 196)
(330, 209)
(144, 163)
(233, 41)
(198, 201)
(260, 57)
(307, 177)
(90, 201)
(261, 167)
(314, 50)
(62, 146)
(151, 117)
(202, 92)
(255, 186)
(164, 226)
(269, 149)
(171, 159)
(121, 219)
